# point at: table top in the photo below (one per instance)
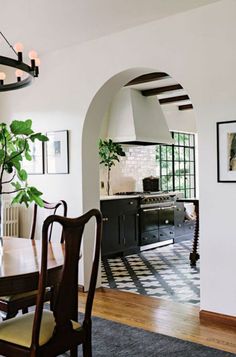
(20, 261)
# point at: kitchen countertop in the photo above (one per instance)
(117, 197)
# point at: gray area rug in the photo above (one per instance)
(111, 339)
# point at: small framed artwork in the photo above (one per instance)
(226, 151)
(36, 165)
(57, 152)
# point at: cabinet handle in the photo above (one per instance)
(105, 219)
(131, 202)
(137, 214)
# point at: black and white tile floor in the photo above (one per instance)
(162, 272)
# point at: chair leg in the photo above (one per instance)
(25, 310)
(87, 345)
(74, 352)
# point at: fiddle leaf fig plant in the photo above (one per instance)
(109, 153)
(15, 142)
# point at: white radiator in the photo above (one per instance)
(10, 220)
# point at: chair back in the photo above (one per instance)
(48, 206)
(65, 304)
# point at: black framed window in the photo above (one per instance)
(177, 165)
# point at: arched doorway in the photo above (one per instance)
(90, 158)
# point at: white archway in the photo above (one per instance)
(90, 159)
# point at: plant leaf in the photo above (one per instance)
(21, 127)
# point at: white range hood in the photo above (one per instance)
(135, 119)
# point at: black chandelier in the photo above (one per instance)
(22, 69)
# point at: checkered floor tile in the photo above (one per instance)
(162, 272)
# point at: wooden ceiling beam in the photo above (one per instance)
(185, 107)
(150, 77)
(174, 99)
(159, 90)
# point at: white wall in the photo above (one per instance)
(198, 49)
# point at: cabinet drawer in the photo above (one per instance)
(189, 227)
(119, 206)
(166, 233)
(126, 205)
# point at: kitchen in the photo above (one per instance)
(141, 213)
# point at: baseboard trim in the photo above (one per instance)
(214, 317)
(81, 288)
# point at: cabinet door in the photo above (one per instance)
(111, 235)
(130, 229)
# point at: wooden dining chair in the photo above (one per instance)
(47, 333)
(11, 304)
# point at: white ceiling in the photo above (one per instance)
(47, 25)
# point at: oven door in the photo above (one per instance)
(166, 223)
(149, 221)
(166, 216)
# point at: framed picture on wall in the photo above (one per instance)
(57, 152)
(36, 165)
(226, 151)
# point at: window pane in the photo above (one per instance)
(176, 153)
(192, 193)
(191, 140)
(187, 154)
(170, 169)
(169, 153)
(192, 183)
(181, 154)
(181, 168)
(181, 139)
(164, 183)
(191, 168)
(182, 182)
(163, 169)
(176, 168)
(187, 167)
(191, 155)
(176, 138)
(163, 152)
(177, 182)
(187, 194)
(170, 183)
(187, 181)
(186, 139)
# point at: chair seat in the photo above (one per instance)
(19, 329)
(28, 294)
(9, 298)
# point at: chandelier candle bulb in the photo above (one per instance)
(19, 74)
(18, 47)
(2, 77)
(37, 64)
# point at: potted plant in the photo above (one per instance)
(14, 147)
(109, 153)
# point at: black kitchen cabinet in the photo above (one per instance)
(120, 226)
(182, 226)
(179, 217)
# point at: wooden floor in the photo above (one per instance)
(161, 316)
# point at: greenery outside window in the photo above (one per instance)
(177, 165)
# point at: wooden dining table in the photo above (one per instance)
(20, 262)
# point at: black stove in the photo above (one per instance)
(152, 199)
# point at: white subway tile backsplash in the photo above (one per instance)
(127, 174)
